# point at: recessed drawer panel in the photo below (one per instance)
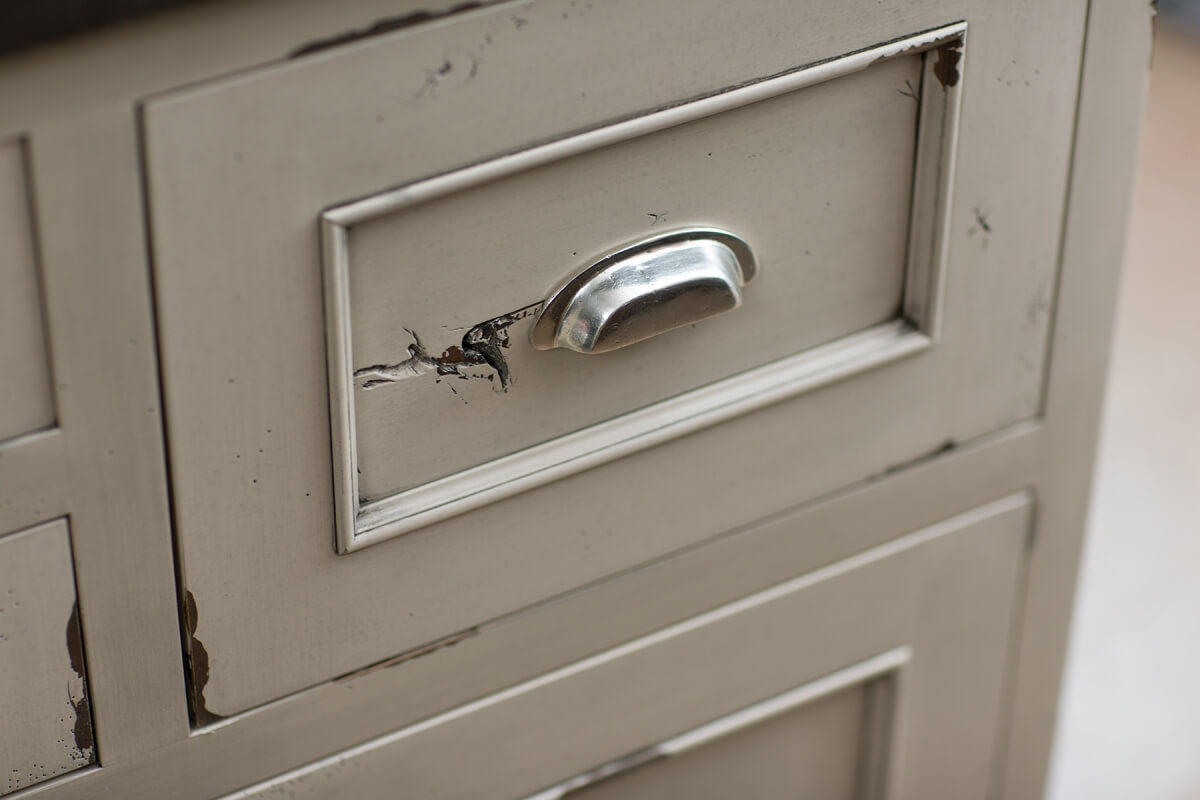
(321, 227)
(433, 289)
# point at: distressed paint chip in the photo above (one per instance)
(409, 655)
(945, 69)
(948, 446)
(481, 346)
(197, 665)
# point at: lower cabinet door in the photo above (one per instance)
(879, 676)
(815, 741)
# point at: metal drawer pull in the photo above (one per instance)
(646, 289)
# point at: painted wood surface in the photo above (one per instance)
(74, 106)
(47, 723)
(948, 593)
(236, 186)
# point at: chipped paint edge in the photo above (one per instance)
(359, 525)
(197, 666)
(606, 441)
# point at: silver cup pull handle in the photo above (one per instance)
(646, 289)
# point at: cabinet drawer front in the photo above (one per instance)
(792, 165)
(268, 434)
(871, 670)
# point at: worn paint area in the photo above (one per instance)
(948, 446)
(480, 350)
(946, 68)
(380, 27)
(82, 730)
(981, 226)
(409, 655)
(197, 665)
(45, 715)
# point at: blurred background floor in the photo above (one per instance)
(1130, 723)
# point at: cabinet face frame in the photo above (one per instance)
(123, 534)
(359, 525)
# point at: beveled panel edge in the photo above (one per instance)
(358, 526)
(933, 184)
(882, 666)
(638, 430)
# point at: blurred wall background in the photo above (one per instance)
(1130, 722)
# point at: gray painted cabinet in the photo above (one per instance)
(286, 450)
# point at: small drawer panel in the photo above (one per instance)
(794, 175)
(45, 723)
(432, 289)
(26, 400)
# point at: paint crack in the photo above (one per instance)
(481, 346)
